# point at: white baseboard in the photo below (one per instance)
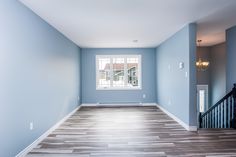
(149, 104)
(37, 141)
(42, 137)
(117, 104)
(186, 126)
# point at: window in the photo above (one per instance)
(202, 97)
(115, 72)
(202, 100)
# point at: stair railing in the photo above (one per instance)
(222, 114)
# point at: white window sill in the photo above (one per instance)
(125, 88)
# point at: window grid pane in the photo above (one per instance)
(132, 70)
(118, 71)
(104, 72)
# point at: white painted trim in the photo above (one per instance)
(118, 104)
(149, 104)
(199, 87)
(42, 137)
(118, 88)
(192, 128)
(139, 87)
(186, 126)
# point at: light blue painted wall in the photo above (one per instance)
(192, 82)
(91, 95)
(217, 72)
(39, 80)
(231, 58)
(176, 92)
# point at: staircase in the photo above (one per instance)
(222, 114)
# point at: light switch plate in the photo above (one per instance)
(181, 65)
(31, 126)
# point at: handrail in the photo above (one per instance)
(222, 114)
(218, 103)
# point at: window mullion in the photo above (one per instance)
(111, 72)
(125, 72)
(139, 71)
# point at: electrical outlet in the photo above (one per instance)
(144, 96)
(78, 98)
(169, 102)
(31, 126)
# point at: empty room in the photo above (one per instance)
(117, 78)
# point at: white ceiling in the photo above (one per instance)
(116, 23)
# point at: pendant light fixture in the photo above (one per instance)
(201, 65)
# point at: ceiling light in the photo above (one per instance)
(201, 65)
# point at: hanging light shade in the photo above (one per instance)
(202, 65)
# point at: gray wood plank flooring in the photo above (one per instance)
(132, 132)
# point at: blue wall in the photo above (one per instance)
(91, 95)
(218, 72)
(39, 80)
(231, 58)
(176, 91)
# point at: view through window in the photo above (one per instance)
(118, 72)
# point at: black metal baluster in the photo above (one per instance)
(217, 116)
(213, 117)
(208, 118)
(234, 106)
(223, 115)
(204, 122)
(231, 110)
(200, 120)
(226, 114)
(220, 115)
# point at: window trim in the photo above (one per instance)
(139, 87)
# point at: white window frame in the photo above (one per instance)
(203, 87)
(139, 87)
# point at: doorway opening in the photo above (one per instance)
(202, 98)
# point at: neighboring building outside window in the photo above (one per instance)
(118, 72)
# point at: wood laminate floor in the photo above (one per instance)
(131, 132)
